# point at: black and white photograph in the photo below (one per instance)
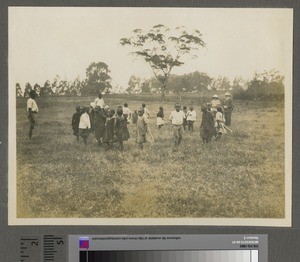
(150, 116)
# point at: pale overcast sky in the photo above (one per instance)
(49, 41)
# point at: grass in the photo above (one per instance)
(241, 176)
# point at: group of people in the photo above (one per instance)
(216, 118)
(110, 126)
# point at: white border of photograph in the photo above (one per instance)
(285, 222)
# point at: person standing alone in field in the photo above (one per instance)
(32, 110)
(84, 125)
(228, 108)
(75, 122)
(141, 128)
(176, 118)
(191, 118)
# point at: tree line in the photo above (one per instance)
(265, 85)
(97, 80)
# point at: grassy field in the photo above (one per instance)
(240, 176)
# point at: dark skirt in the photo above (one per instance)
(121, 130)
(99, 126)
(84, 133)
(109, 131)
(207, 128)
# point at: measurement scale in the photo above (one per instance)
(55, 248)
(49, 248)
(30, 248)
(144, 248)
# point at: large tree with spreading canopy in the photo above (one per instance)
(163, 49)
(97, 79)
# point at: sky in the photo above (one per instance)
(49, 41)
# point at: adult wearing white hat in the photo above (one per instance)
(228, 108)
(215, 103)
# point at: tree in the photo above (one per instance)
(98, 79)
(76, 87)
(46, 90)
(55, 85)
(179, 84)
(37, 89)
(199, 82)
(221, 83)
(239, 86)
(146, 86)
(266, 85)
(63, 87)
(19, 92)
(164, 49)
(134, 85)
(27, 90)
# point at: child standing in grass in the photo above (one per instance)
(146, 111)
(84, 125)
(75, 122)
(207, 128)
(141, 128)
(108, 136)
(220, 122)
(191, 118)
(134, 117)
(176, 118)
(100, 120)
(121, 129)
(127, 113)
(160, 117)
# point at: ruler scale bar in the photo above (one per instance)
(55, 248)
(30, 248)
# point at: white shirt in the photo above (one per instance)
(85, 122)
(191, 115)
(177, 117)
(99, 102)
(220, 117)
(146, 112)
(215, 103)
(126, 111)
(32, 104)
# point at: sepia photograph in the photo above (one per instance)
(150, 116)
